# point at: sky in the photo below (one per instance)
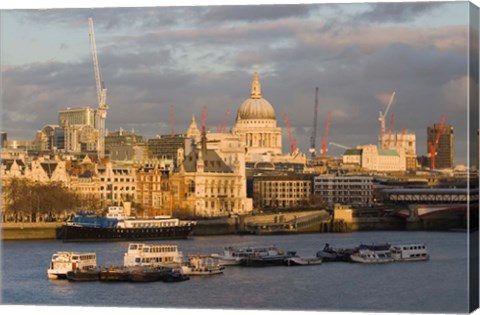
(195, 56)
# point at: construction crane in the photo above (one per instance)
(381, 118)
(392, 119)
(101, 94)
(172, 120)
(339, 145)
(204, 117)
(313, 138)
(293, 141)
(223, 126)
(432, 147)
(325, 136)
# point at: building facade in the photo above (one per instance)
(352, 190)
(282, 190)
(369, 157)
(445, 151)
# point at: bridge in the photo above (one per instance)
(431, 195)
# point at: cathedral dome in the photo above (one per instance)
(256, 107)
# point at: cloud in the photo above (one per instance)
(256, 13)
(397, 12)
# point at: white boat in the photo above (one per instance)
(367, 256)
(63, 262)
(139, 254)
(234, 255)
(409, 252)
(201, 265)
(303, 261)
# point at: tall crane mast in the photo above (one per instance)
(313, 138)
(381, 118)
(432, 147)
(101, 94)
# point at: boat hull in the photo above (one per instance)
(264, 262)
(300, 261)
(89, 275)
(72, 233)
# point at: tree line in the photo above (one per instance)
(24, 199)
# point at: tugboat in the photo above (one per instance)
(335, 254)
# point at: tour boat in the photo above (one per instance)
(367, 256)
(117, 226)
(234, 255)
(409, 252)
(303, 261)
(201, 265)
(152, 255)
(63, 262)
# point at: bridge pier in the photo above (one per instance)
(413, 222)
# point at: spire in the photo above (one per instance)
(193, 129)
(256, 92)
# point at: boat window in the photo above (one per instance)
(137, 259)
(133, 247)
(74, 257)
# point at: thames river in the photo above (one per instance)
(438, 285)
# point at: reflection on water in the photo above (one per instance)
(437, 285)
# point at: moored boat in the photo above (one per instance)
(335, 254)
(233, 256)
(201, 265)
(409, 252)
(92, 274)
(302, 261)
(139, 254)
(63, 262)
(114, 273)
(118, 227)
(147, 274)
(175, 276)
(367, 256)
(272, 256)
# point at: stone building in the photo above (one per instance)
(256, 125)
(351, 190)
(282, 190)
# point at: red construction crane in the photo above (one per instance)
(172, 120)
(325, 136)
(204, 117)
(293, 141)
(223, 126)
(432, 147)
(392, 119)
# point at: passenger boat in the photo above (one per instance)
(367, 256)
(116, 226)
(409, 252)
(84, 275)
(303, 261)
(152, 255)
(271, 256)
(234, 255)
(201, 265)
(63, 262)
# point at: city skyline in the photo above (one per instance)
(186, 56)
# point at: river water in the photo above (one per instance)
(438, 285)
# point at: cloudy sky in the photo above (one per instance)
(357, 54)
